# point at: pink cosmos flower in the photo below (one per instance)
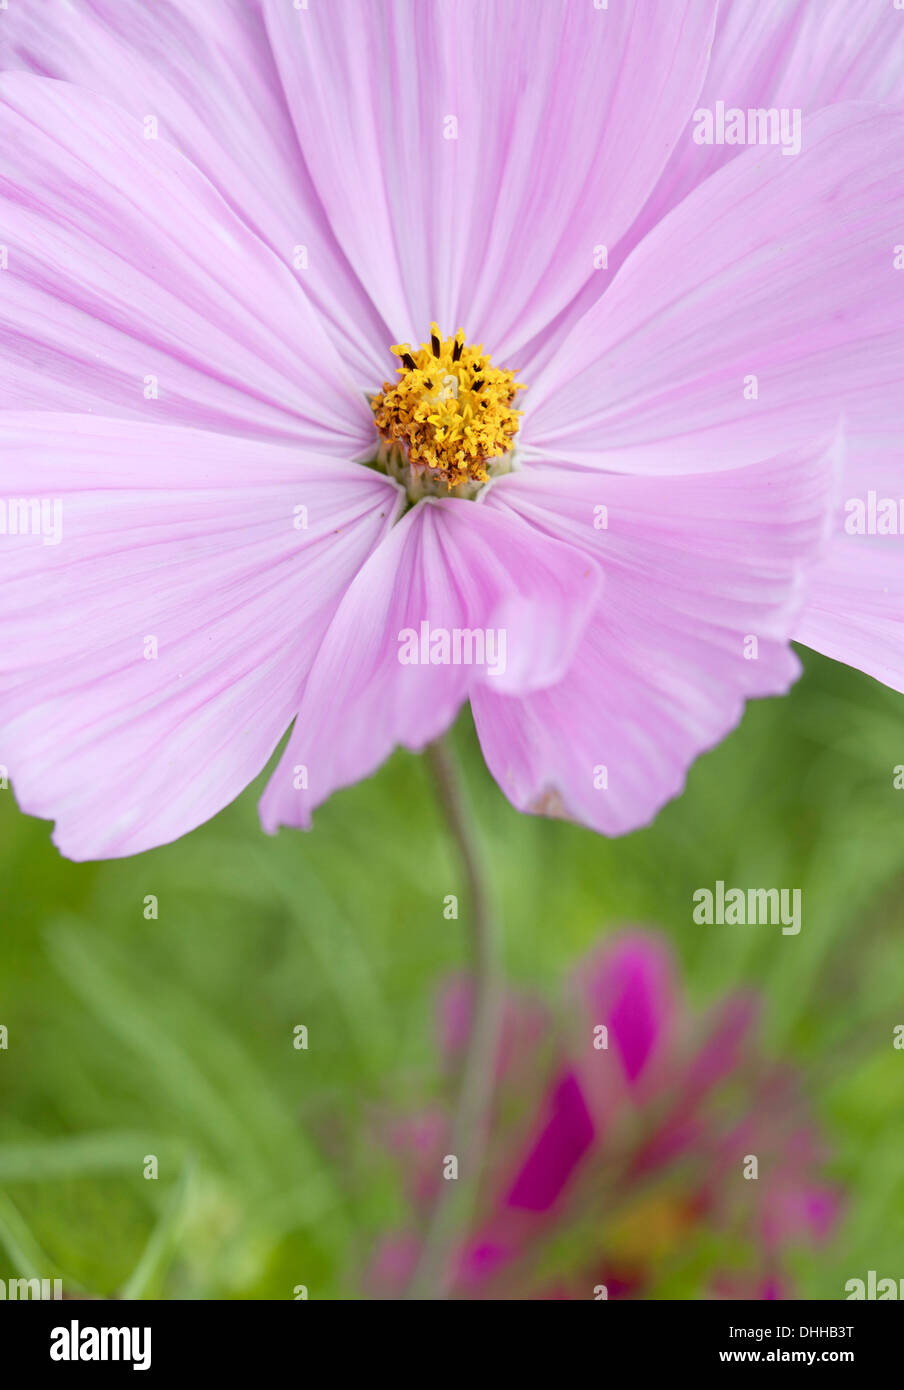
(215, 222)
(621, 1146)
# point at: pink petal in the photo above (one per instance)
(565, 1135)
(629, 986)
(806, 53)
(205, 73)
(789, 54)
(523, 1028)
(796, 1210)
(727, 1042)
(189, 538)
(565, 118)
(125, 267)
(393, 1264)
(854, 610)
(768, 54)
(453, 565)
(779, 269)
(481, 1260)
(694, 568)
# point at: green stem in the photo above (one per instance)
(452, 1211)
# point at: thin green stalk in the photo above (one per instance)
(454, 1205)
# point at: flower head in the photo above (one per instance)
(217, 218)
(633, 1142)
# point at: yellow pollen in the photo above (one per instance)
(451, 411)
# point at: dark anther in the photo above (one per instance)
(434, 343)
(477, 384)
(456, 351)
(409, 361)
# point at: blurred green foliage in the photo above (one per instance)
(173, 1037)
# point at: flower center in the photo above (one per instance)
(448, 424)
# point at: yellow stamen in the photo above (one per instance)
(451, 411)
(652, 1229)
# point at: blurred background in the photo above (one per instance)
(173, 1036)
